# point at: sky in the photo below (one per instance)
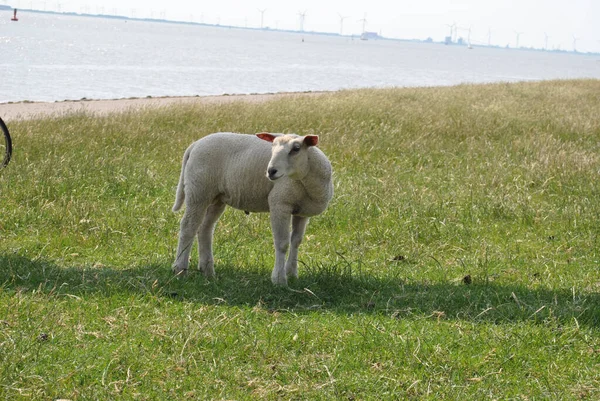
(561, 24)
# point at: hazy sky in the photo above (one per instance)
(565, 22)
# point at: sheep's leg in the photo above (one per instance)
(206, 262)
(192, 218)
(298, 227)
(280, 225)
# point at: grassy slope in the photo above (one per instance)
(499, 182)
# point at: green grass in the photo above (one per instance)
(496, 182)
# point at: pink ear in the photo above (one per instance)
(311, 140)
(266, 136)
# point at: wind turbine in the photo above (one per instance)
(302, 16)
(546, 41)
(342, 18)
(364, 21)
(575, 38)
(469, 39)
(518, 35)
(262, 16)
(452, 28)
(489, 36)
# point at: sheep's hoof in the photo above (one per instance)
(279, 280)
(207, 269)
(209, 275)
(179, 271)
(282, 283)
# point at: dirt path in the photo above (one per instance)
(30, 110)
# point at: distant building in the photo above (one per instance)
(460, 41)
(369, 35)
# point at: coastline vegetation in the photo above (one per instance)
(459, 258)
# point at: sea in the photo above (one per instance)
(54, 57)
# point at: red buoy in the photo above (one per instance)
(14, 18)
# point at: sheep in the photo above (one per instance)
(289, 177)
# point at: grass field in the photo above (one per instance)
(459, 258)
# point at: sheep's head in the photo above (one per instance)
(289, 156)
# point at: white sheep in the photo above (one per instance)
(229, 169)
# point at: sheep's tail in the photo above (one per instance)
(180, 194)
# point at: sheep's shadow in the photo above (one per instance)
(336, 289)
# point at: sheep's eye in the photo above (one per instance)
(295, 148)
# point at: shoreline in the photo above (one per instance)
(26, 110)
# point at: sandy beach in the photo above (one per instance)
(31, 110)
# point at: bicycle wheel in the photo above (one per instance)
(5, 144)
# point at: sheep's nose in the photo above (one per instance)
(271, 172)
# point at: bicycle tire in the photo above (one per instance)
(8, 141)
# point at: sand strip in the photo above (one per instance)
(31, 110)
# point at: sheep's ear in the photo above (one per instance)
(311, 140)
(266, 136)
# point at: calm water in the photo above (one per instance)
(47, 57)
